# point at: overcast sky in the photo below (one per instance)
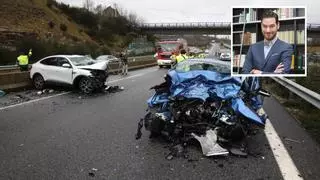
(159, 11)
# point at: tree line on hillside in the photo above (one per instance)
(106, 25)
(113, 28)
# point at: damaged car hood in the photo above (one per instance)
(96, 66)
(204, 84)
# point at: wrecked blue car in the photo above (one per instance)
(200, 100)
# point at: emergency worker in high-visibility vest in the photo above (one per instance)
(191, 55)
(173, 57)
(182, 56)
(23, 60)
(201, 55)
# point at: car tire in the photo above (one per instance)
(86, 85)
(38, 81)
(160, 66)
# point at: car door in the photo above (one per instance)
(48, 68)
(63, 74)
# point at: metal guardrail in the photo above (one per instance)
(8, 67)
(306, 94)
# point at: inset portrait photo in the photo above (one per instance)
(269, 41)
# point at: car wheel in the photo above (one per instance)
(160, 66)
(85, 85)
(38, 82)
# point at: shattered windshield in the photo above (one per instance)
(168, 46)
(188, 65)
(82, 60)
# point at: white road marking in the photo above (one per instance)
(286, 165)
(129, 77)
(32, 101)
(64, 93)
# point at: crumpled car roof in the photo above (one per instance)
(203, 78)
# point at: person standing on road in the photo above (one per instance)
(173, 58)
(182, 56)
(23, 60)
(124, 60)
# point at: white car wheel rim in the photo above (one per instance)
(85, 85)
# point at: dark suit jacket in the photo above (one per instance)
(279, 52)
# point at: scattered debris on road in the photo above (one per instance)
(241, 152)
(113, 89)
(192, 160)
(169, 157)
(292, 140)
(19, 96)
(94, 169)
(176, 151)
(45, 91)
(220, 165)
(91, 174)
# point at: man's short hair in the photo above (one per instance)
(270, 14)
(182, 51)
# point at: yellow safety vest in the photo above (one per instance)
(173, 57)
(23, 60)
(201, 55)
(181, 58)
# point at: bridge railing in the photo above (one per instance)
(310, 27)
(185, 25)
(313, 27)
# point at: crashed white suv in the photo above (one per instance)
(79, 71)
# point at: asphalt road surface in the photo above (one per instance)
(71, 136)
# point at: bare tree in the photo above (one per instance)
(122, 12)
(98, 9)
(88, 4)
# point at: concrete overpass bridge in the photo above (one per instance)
(217, 28)
(313, 31)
